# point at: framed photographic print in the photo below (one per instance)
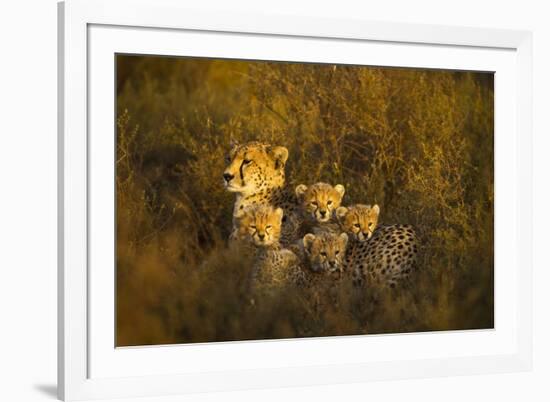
(255, 201)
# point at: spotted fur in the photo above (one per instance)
(358, 221)
(259, 225)
(319, 201)
(323, 259)
(378, 254)
(256, 173)
(325, 252)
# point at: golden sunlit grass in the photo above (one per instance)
(417, 142)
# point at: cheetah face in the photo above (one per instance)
(326, 252)
(320, 200)
(253, 167)
(260, 224)
(359, 221)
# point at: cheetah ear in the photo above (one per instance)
(340, 189)
(341, 212)
(279, 212)
(376, 209)
(308, 241)
(344, 238)
(280, 154)
(300, 190)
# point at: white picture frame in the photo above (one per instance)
(90, 367)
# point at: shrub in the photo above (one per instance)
(417, 142)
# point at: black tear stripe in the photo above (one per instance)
(241, 171)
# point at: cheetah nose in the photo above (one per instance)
(261, 236)
(332, 263)
(228, 177)
(323, 213)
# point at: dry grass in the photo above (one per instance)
(417, 142)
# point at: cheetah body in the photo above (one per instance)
(258, 227)
(380, 254)
(387, 258)
(275, 268)
(323, 262)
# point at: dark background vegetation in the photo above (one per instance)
(417, 142)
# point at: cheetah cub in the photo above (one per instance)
(318, 203)
(325, 252)
(259, 226)
(382, 254)
(359, 220)
(324, 262)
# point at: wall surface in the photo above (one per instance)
(28, 200)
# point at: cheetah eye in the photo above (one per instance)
(324, 254)
(268, 227)
(357, 225)
(247, 161)
(314, 203)
(252, 227)
(370, 225)
(329, 202)
(337, 252)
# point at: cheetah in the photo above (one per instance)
(359, 221)
(259, 226)
(323, 260)
(318, 203)
(384, 254)
(325, 252)
(256, 173)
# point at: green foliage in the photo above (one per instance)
(417, 142)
